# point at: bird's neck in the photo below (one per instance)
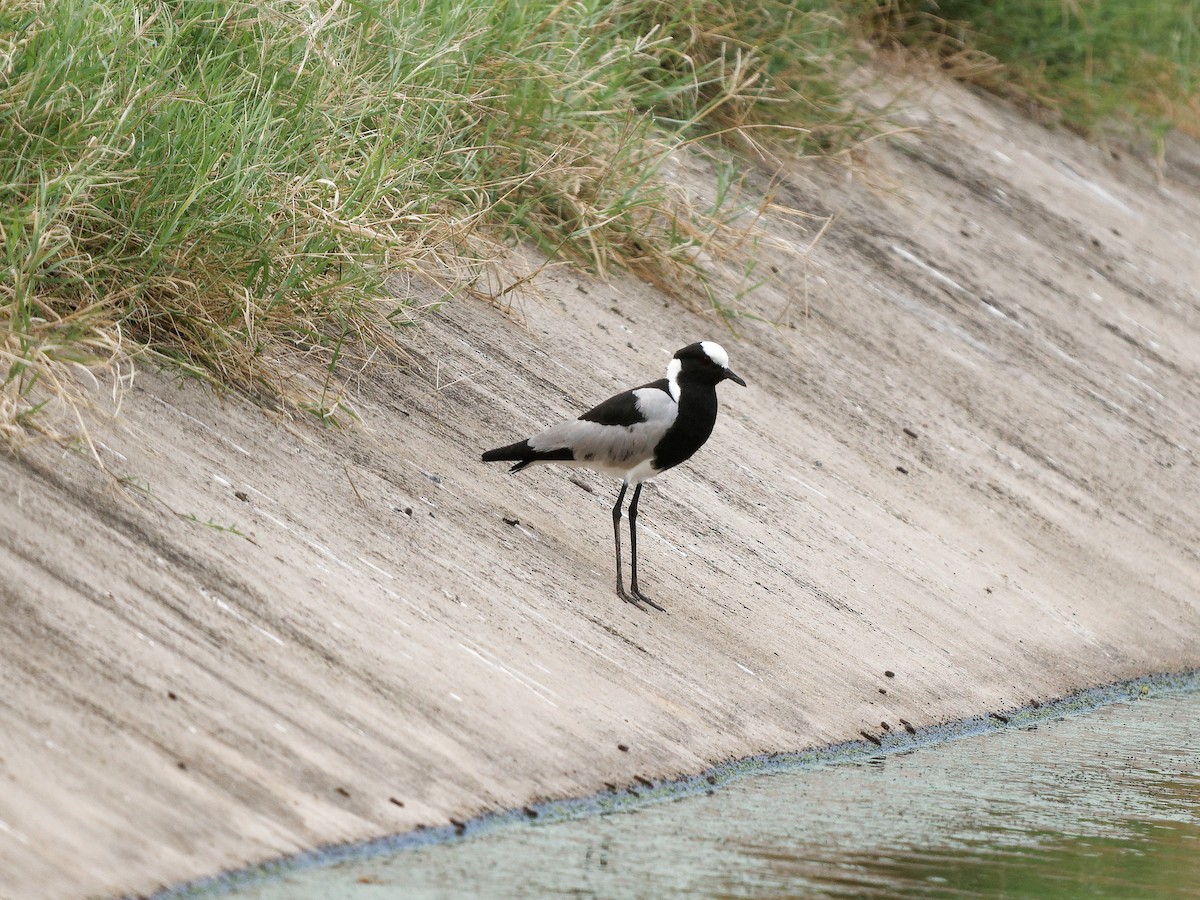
(697, 398)
(693, 424)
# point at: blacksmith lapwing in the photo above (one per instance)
(636, 435)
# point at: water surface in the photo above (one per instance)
(1104, 804)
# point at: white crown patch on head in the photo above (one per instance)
(716, 353)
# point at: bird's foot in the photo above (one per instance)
(631, 599)
(644, 599)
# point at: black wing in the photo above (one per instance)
(623, 408)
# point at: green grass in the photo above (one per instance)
(1103, 66)
(224, 186)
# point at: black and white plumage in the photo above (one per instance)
(636, 435)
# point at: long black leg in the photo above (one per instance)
(633, 588)
(616, 516)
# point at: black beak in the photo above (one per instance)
(733, 376)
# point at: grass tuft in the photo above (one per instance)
(1102, 66)
(223, 186)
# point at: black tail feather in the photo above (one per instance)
(523, 455)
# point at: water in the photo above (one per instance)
(1104, 804)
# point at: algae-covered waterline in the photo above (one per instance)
(1097, 795)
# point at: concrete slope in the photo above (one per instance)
(963, 476)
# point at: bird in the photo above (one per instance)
(636, 435)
